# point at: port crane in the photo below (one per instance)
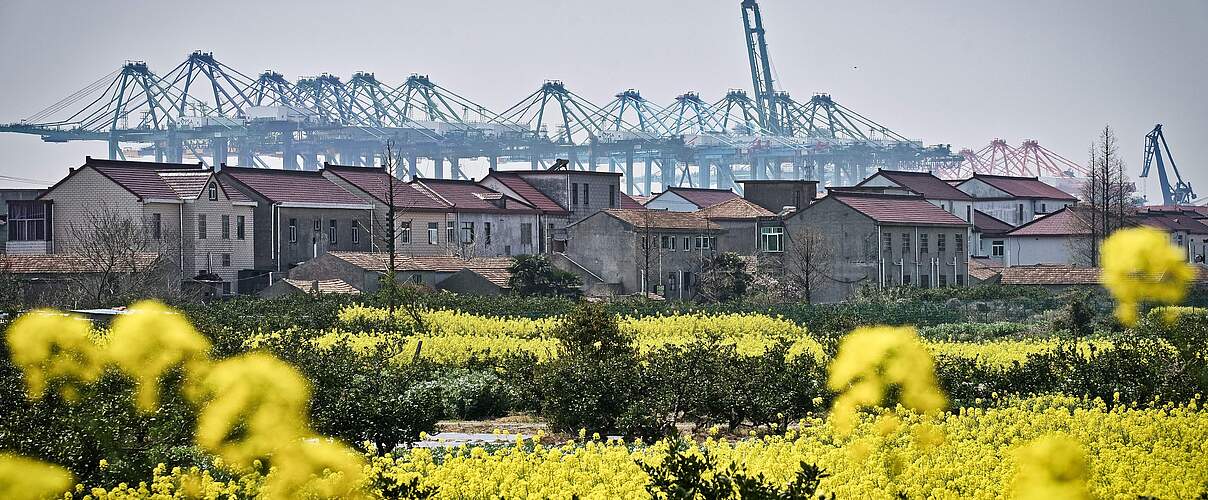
(1178, 193)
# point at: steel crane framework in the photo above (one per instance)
(205, 110)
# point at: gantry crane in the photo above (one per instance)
(1180, 192)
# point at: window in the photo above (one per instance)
(213, 191)
(226, 227)
(331, 231)
(959, 240)
(226, 287)
(925, 280)
(157, 226)
(960, 280)
(467, 231)
(451, 232)
(687, 243)
(687, 280)
(404, 232)
(941, 242)
(888, 239)
(586, 194)
(667, 242)
(417, 279)
(772, 239)
(905, 279)
(318, 225)
(239, 227)
(356, 232)
(526, 233)
(1020, 216)
(486, 233)
(923, 247)
(1043, 209)
(905, 243)
(612, 196)
(30, 221)
(672, 282)
(574, 194)
(943, 279)
(201, 226)
(997, 248)
(704, 243)
(226, 260)
(293, 230)
(433, 233)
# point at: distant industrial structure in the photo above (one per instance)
(205, 110)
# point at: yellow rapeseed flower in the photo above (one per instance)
(25, 478)
(1142, 265)
(49, 345)
(315, 468)
(1051, 467)
(151, 340)
(870, 360)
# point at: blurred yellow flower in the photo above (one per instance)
(1051, 467)
(870, 360)
(25, 478)
(151, 340)
(49, 345)
(315, 467)
(1142, 265)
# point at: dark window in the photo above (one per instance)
(526, 233)
(452, 232)
(157, 226)
(959, 240)
(923, 246)
(331, 231)
(1020, 216)
(574, 194)
(226, 227)
(888, 239)
(1043, 209)
(687, 280)
(404, 235)
(467, 231)
(213, 191)
(905, 279)
(772, 238)
(356, 232)
(417, 279)
(925, 280)
(667, 242)
(997, 248)
(226, 260)
(318, 225)
(486, 233)
(905, 243)
(226, 287)
(433, 233)
(201, 226)
(586, 194)
(29, 221)
(943, 279)
(612, 196)
(960, 280)
(941, 242)
(293, 230)
(672, 282)
(240, 230)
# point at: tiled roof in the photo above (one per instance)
(737, 208)
(1197, 211)
(661, 219)
(58, 263)
(1024, 187)
(186, 185)
(627, 201)
(987, 224)
(470, 197)
(292, 186)
(529, 193)
(141, 178)
(498, 277)
(235, 195)
(1172, 222)
(983, 268)
(323, 286)
(1064, 222)
(930, 186)
(641, 198)
(376, 261)
(1061, 274)
(375, 182)
(896, 209)
(703, 197)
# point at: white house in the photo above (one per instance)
(1014, 200)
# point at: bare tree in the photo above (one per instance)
(1109, 197)
(808, 262)
(120, 259)
(649, 250)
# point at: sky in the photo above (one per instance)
(956, 72)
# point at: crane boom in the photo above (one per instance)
(1179, 193)
(761, 67)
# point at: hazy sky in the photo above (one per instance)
(957, 72)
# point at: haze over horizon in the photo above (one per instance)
(939, 71)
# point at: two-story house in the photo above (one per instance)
(488, 223)
(684, 199)
(878, 240)
(185, 213)
(1014, 200)
(300, 215)
(931, 188)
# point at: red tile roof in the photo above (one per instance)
(895, 209)
(983, 268)
(987, 224)
(375, 183)
(235, 195)
(737, 208)
(322, 286)
(923, 183)
(1024, 187)
(703, 197)
(529, 193)
(466, 196)
(186, 185)
(660, 219)
(142, 180)
(62, 264)
(1171, 222)
(626, 201)
(291, 186)
(1064, 222)
(378, 262)
(1060, 275)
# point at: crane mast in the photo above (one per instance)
(761, 68)
(1180, 192)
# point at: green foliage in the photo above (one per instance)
(972, 332)
(683, 475)
(724, 278)
(535, 275)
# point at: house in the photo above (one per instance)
(740, 221)
(1061, 237)
(48, 279)
(682, 199)
(364, 270)
(989, 236)
(186, 213)
(1061, 276)
(1186, 230)
(878, 240)
(300, 215)
(444, 217)
(777, 196)
(477, 281)
(924, 184)
(16, 195)
(1014, 200)
(628, 251)
(288, 287)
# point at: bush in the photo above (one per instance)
(473, 394)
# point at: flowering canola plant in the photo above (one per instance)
(870, 360)
(1142, 265)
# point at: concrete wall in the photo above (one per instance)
(673, 202)
(84, 194)
(558, 188)
(738, 236)
(469, 283)
(313, 243)
(1006, 208)
(613, 251)
(774, 196)
(1030, 250)
(507, 234)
